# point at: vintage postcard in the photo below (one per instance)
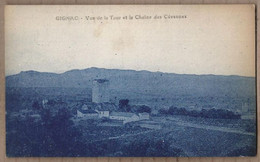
(130, 80)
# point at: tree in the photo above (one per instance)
(36, 105)
(163, 111)
(123, 105)
(173, 110)
(144, 108)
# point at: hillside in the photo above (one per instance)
(142, 82)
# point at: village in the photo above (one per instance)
(100, 108)
(114, 115)
(97, 120)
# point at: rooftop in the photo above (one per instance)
(125, 114)
(87, 111)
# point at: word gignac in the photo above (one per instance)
(65, 18)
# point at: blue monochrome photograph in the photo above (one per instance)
(130, 81)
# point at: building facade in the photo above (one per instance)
(126, 117)
(100, 91)
(87, 114)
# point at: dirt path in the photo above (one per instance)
(129, 135)
(207, 127)
(123, 136)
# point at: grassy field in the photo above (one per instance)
(188, 140)
(179, 136)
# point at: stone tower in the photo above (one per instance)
(100, 91)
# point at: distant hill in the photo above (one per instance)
(146, 82)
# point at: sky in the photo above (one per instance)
(212, 39)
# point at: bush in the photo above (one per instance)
(163, 111)
(123, 105)
(143, 108)
(150, 147)
(36, 105)
(211, 113)
(105, 119)
(53, 135)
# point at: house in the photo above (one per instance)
(126, 117)
(87, 114)
(103, 109)
(85, 107)
(44, 103)
(102, 113)
(144, 116)
(100, 106)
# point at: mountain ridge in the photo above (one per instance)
(138, 81)
(35, 71)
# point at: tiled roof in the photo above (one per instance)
(124, 114)
(101, 106)
(87, 111)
